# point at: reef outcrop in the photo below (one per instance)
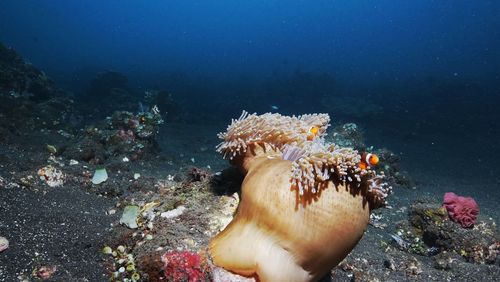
(430, 232)
(18, 77)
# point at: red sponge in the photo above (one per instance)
(463, 210)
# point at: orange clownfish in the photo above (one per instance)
(313, 132)
(368, 160)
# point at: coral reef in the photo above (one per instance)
(463, 210)
(110, 86)
(124, 134)
(29, 100)
(20, 78)
(305, 203)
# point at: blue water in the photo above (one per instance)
(419, 76)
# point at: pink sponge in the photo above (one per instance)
(463, 210)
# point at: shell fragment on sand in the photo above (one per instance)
(173, 213)
(129, 216)
(100, 176)
(52, 149)
(4, 244)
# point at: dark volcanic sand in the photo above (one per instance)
(63, 227)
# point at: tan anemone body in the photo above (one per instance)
(276, 237)
(305, 202)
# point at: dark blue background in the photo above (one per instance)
(353, 40)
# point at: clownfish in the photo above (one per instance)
(313, 132)
(368, 160)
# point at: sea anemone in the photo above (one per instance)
(269, 129)
(305, 203)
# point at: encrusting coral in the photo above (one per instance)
(305, 203)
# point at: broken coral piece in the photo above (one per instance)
(304, 202)
(462, 210)
(129, 216)
(100, 176)
(45, 272)
(173, 213)
(51, 175)
(52, 149)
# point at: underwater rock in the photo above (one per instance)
(29, 100)
(195, 174)
(430, 227)
(20, 78)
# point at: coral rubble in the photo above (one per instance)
(123, 134)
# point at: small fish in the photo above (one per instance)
(274, 107)
(312, 132)
(400, 241)
(155, 110)
(368, 160)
